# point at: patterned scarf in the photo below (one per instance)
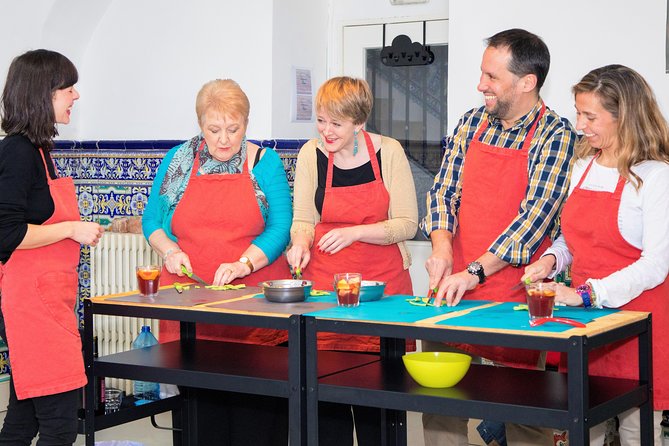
(178, 172)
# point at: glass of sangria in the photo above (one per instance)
(148, 278)
(347, 286)
(540, 299)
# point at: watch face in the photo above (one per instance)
(474, 268)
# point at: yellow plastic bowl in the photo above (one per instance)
(437, 369)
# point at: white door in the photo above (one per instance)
(410, 106)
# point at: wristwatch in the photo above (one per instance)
(245, 260)
(475, 268)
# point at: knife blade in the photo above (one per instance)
(521, 285)
(193, 276)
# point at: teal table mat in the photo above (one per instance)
(391, 309)
(503, 316)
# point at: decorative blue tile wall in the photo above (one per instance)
(113, 179)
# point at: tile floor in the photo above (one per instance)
(142, 432)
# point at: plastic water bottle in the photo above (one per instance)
(145, 390)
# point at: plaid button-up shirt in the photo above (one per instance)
(548, 167)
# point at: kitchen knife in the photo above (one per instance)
(193, 276)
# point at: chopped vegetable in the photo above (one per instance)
(225, 287)
(420, 301)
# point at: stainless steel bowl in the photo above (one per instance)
(371, 290)
(286, 290)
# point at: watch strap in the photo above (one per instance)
(245, 260)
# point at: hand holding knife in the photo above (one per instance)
(193, 276)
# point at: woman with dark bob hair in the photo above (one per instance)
(40, 237)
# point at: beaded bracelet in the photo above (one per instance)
(593, 296)
(584, 291)
(170, 251)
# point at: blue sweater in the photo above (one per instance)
(271, 178)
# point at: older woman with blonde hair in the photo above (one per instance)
(220, 206)
(354, 206)
(615, 225)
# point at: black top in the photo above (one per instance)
(341, 177)
(24, 191)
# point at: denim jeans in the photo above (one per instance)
(492, 430)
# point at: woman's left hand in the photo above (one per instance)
(227, 272)
(338, 239)
(567, 296)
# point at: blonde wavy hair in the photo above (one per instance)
(224, 96)
(346, 98)
(643, 132)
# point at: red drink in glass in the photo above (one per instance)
(540, 300)
(347, 286)
(148, 278)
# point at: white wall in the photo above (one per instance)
(146, 61)
(142, 62)
(581, 35)
(299, 40)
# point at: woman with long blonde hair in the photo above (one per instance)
(615, 225)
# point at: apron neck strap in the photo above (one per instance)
(46, 168)
(196, 162)
(372, 159)
(530, 134)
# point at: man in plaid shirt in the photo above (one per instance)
(495, 202)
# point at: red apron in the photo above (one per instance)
(494, 183)
(216, 219)
(348, 206)
(600, 250)
(39, 295)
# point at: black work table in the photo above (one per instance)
(570, 401)
(200, 364)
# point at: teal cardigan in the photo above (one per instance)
(271, 178)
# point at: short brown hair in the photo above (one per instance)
(529, 54)
(346, 97)
(224, 96)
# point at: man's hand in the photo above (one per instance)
(440, 264)
(453, 287)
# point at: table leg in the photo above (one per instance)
(646, 377)
(311, 355)
(89, 392)
(394, 432)
(578, 392)
(297, 404)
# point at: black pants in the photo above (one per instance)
(53, 416)
(335, 425)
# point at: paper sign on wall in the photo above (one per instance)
(302, 102)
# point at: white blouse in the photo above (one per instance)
(643, 221)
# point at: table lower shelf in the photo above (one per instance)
(244, 368)
(532, 397)
(131, 413)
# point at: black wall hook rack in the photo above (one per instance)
(403, 52)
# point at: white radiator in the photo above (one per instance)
(113, 263)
